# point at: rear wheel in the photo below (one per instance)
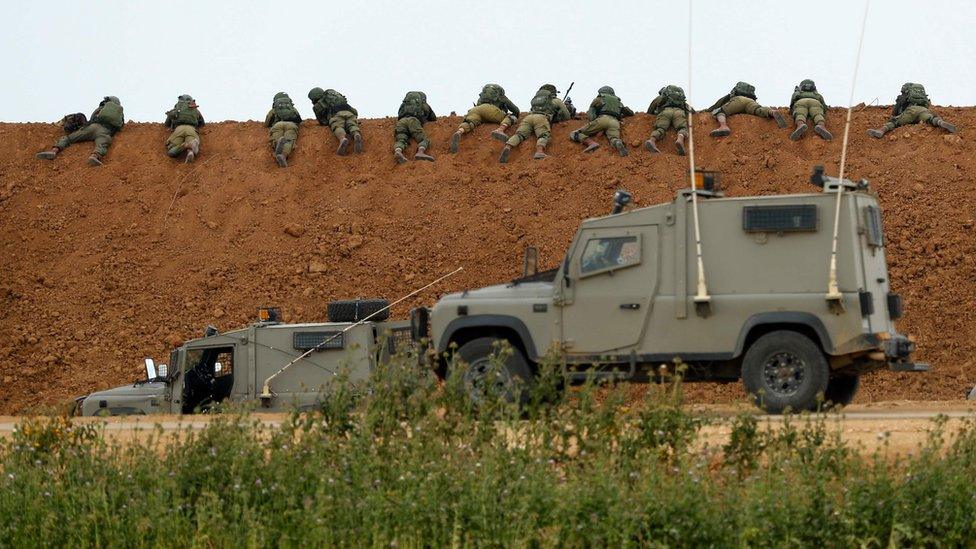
(841, 390)
(494, 372)
(785, 369)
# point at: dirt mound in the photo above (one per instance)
(101, 267)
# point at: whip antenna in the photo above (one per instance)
(702, 299)
(266, 393)
(834, 297)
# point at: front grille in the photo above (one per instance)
(776, 219)
(400, 341)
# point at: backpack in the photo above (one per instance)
(333, 100)
(542, 103)
(915, 95)
(744, 89)
(673, 97)
(74, 122)
(183, 113)
(413, 105)
(110, 114)
(285, 111)
(492, 94)
(611, 105)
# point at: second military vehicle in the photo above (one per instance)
(625, 300)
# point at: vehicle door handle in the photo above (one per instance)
(630, 306)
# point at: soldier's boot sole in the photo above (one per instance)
(621, 148)
(591, 147)
(357, 142)
(780, 120)
(279, 146)
(721, 132)
(281, 160)
(46, 155)
(190, 157)
(94, 161)
(423, 156)
(877, 134)
(680, 145)
(398, 156)
(951, 128)
(504, 156)
(823, 132)
(500, 135)
(651, 147)
(455, 142)
(195, 147)
(343, 149)
(540, 153)
(799, 132)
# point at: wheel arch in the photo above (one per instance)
(467, 328)
(761, 324)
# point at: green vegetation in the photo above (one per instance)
(404, 462)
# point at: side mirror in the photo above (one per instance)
(530, 265)
(150, 369)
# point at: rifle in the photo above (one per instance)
(568, 101)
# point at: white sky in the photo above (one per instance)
(233, 56)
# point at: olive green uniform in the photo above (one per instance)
(807, 104)
(410, 127)
(342, 119)
(506, 113)
(600, 122)
(731, 105)
(279, 129)
(184, 121)
(540, 124)
(101, 129)
(911, 114)
(668, 115)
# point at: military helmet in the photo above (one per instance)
(549, 87)
(906, 86)
(279, 95)
(316, 93)
(808, 85)
(606, 89)
(184, 97)
(111, 99)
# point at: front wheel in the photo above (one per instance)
(785, 369)
(494, 371)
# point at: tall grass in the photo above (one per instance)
(403, 461)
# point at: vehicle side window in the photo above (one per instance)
(609, 253)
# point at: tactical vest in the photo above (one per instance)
(110, 114)
(807, 95)
(611, 105)
(74, 122)
(916, 96)
(184, 114)
(492, 94)
(333, 100)
(285, 111)
(674, 97)
(413, 105)
(542, 103)
(744, 89)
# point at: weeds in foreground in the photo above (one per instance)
(404, 461)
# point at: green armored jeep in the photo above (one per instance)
(281, 366)
(623, 302)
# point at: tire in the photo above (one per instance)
(841, 390)
(785, 369)
(354, 310)
(513, 378)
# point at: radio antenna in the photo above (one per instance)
(702, 299)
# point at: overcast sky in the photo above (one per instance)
(233, 56)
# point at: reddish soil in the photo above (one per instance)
(101, 267)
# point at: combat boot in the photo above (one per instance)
(398, 156)
(505, 152)
(422, 155)
(620, 146)
(651, 145)
(590, 145)
(357, 142)
(49, 154)
(499, 133)
(940, 123)
(456, 140)
(723, 128)
(821, 130)
(778, 117)
(343, 147)
(193, 148)
(540, 152)
(877, 134)
(574, 136)
(800, 131)
(279, 152)
(679, 143)
(95, 160)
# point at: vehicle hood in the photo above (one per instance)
(137, 398)
(151, 389)
(526, 290)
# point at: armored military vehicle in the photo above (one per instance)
(280, 366)
(625, 301)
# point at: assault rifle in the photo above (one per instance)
(569, 102)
